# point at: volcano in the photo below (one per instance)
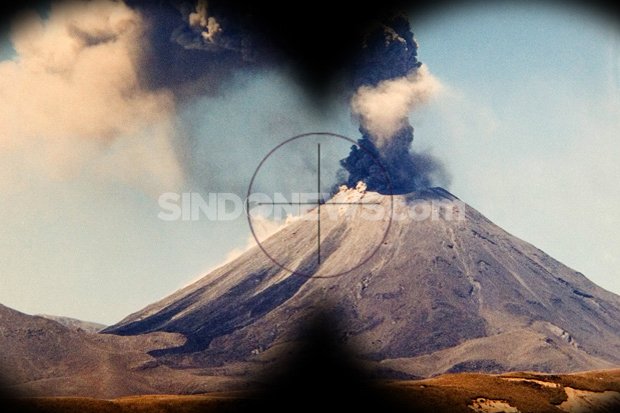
(446, 291)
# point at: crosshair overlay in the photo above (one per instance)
(318, 203)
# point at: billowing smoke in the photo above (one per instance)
(71, 97)
(383, 109)
(99, 86)
(96, 86)
(390, 82)
(194, 48)
(207, 26)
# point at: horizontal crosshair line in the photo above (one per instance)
(318, 203)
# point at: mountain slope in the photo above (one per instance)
(441, 294)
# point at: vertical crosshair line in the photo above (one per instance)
(318, 192)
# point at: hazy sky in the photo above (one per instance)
(527, 125)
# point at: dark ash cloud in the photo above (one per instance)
(389, 82)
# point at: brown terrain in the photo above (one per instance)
(597, 391)
(42, 357)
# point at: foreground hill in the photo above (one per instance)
(42, 357)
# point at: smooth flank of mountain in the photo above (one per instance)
(75, 324)
(441, 295)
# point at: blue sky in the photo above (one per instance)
(527, 126)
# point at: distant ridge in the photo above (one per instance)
(75, 324)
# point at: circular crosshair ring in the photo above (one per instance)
(376, 161)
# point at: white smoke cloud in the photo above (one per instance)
(72, 95)
(383, 109)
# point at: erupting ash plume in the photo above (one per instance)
(390, 82)
(116, 75)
